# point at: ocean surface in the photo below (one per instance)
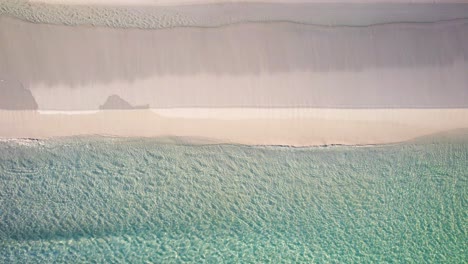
(98, 199)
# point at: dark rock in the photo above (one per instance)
(13, 96)
(116, 102)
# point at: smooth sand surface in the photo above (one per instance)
(244, 65)
(295, 127)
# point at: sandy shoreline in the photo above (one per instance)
(282, 82)
(293, 127)
(247, 65)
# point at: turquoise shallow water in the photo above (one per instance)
(140, 200)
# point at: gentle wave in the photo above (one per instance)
(220, 14)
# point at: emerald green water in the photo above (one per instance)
(100, 200)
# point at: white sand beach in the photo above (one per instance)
(294, 127)
(76, 68)
(235, 73)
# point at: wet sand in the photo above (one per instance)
(294, 127)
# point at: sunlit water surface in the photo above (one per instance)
(142, 200)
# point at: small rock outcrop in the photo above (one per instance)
(13, 96)
(115, 102)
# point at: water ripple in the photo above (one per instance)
(139, 200)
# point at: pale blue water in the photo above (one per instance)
(139, 200)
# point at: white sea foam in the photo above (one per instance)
(165, 14)
(194, 2)
(28, 142)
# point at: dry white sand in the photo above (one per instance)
(245, 65)
(295, 127)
